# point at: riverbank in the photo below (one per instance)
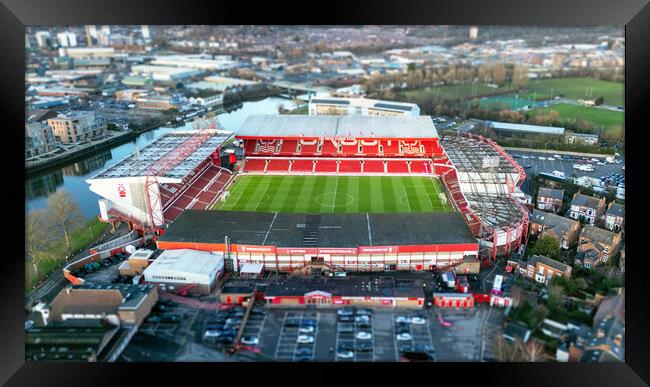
(76, 153)
(54, 255)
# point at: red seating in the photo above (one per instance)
(249, 147)
(421, 166)
(308, 149)
(328, 149)
(171, 213)
(302, 165)
(326, 165)
(254, 165)
(288, 148)
(280, 165)
(391, 150)
(373, 166)
(398, 167)
(350, 166)
(369, 150)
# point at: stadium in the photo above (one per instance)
(349, 193)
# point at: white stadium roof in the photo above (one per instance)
(526, 128)
(137, 166)
(261, 125)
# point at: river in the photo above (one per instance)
(72, 177)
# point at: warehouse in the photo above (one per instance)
(358, 291)
(349, 242)
(196, 270)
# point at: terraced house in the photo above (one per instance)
(541, 268)
(549, 199)
(587, 207)
(615, 217)
(597, 246)
(563, 229)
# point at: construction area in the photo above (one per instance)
(485, 186)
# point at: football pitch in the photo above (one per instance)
(334, 194)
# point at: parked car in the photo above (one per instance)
(226, 339)
(308, 323)
(362, 318)
(346, 347)
(211, 334)
(363, 335)
(345, 312)
(171, 318)
(29, 324)
(403, 319)
(307, 329)
(153, 319)
(404, 336)
(304, 351)
(418, 320)
(250, 340)
(364, 325)
(345, 354)
(364, 312)
(346, 318)
(305, 339)
(292, 323)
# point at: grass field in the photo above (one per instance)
(609, 118)
(451, 91)
(578, 88)
(334, 194)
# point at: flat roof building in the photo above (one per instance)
(360, 106)
(507, 127)
(174, 269)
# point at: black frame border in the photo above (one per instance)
(16, 14)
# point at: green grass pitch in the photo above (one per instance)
(334, 194)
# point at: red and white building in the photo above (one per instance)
(154, 185)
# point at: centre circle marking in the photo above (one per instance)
(319, 199)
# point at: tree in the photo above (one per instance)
(63, 212)
(547, 246)
(599, 100)
(516, 294)
(35, 237)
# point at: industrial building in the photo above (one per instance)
(164, 73)
(175, 269)
(360, 106)
(510, 128)
(357, 291)
(350, 242)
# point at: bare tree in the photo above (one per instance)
(35, 237)
(63, 212)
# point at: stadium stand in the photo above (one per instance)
(277, 165)
(298, 165)
(326, 165)
(254, 165)
(397, 167)
(373, 166)
(349, 166)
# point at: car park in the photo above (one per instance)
(308, 323)
(364, 325)
(362, 318)
(305, 339)
(226, 339)
(211, 334)
(363, 335)
(345, 329)
(345, 312)
(292, 323)
(363, 347)
(153, 319)
(404, 336)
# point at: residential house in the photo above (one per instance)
(515, 331)
(587, 207)
(563, 229)
(77, 126)
(549, 199)
(605, 341)
(615, 217)
(597, 245)
(541, 268)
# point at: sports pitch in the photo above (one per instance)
(334, 194)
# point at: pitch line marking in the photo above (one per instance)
(320, 203)
(261, 197)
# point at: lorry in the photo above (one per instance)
(498, 283)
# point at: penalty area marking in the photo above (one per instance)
(318, 199)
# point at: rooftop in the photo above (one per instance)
(598, 234)
(582, 200)
(353, 286)
(616, 209)
(185, 261)
(526, 128)
(549, 262)
(365, 102)
(475, 155)
(136, 165)
(551, 193)
(553, 221)
(334, 230)
(259, 125)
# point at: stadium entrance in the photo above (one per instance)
(317, 260)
